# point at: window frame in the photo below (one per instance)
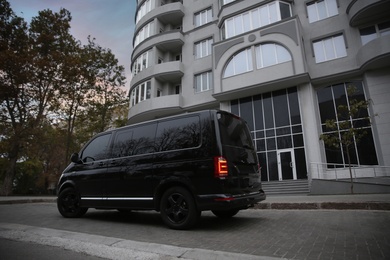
(325, 44)
(141, 93)
(205, 16)
(264, 13)
(236, 58)
(209, 80)
(316, 6)
(203, 53)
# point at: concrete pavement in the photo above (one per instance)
(272, 238)
(355, 201)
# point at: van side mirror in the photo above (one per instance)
(75, 158)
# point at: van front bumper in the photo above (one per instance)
(228, 201)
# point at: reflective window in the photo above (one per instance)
(142, 62)
(256, 18)
(140, 93)
(370, 33)
(329, 100)
(203, 17)
(203, 82)
(144, 33)
(182, 133)
(275, 122)
(203, 48)
(270, 54)
(145, 8)
(239, 63)
(319, 10)
(97, 149)
(329, 49)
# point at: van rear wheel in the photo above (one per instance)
(178, 209)
(225, 213)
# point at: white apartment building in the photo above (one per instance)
(282, 65)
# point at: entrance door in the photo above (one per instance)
(286, 165)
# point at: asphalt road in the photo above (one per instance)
(291, 234)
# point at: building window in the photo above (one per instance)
(329, 49)
(271, 54)
(140, 93)
(329, 98)
(145, 8)
(203, 82)
(370, 33)
(256, 18)
(144, 33)
(322, 9)
(203, 48)
(240, 63)
(225, 2)
(203, 17)
(141, 63)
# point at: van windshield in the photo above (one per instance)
(234, 131)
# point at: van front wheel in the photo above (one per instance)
(68, 204)
(178, 209)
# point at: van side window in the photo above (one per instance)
(178, 134)
(135, 141)
(97, 149)
(123, 145)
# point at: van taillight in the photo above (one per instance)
(221, 167)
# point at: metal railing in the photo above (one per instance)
(334, 171)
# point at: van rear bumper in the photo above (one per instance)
(228, 201)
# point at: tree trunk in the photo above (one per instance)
(11, 171)
(350, 168)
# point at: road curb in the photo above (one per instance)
(23, 201)
(325, 205)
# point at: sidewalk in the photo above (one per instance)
(357, 201)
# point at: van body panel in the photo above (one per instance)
(131, 167)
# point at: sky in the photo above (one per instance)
(110, 22)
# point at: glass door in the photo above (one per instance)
(286, 165)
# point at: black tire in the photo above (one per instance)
(225, 213)
(178, 209)
(68, 204)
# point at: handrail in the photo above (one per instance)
(337, 171)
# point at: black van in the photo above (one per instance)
(179, 166)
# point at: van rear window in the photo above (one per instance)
(182, 133)
(234, 131)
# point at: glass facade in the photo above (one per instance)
(329, 100)
(275, 122)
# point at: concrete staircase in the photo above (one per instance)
(286, 187)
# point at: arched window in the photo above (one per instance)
(241, 62)
(271, 54)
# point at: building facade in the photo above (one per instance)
(284, 66)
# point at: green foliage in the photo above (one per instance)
(52, 90)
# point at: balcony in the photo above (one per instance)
(155, 108)
(374, 54)
(171, 41)
(165, 72)
(367, 11)
(167, 14)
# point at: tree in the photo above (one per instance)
(52, 89)
(344, 133)
(30, 77)
(14, 75)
